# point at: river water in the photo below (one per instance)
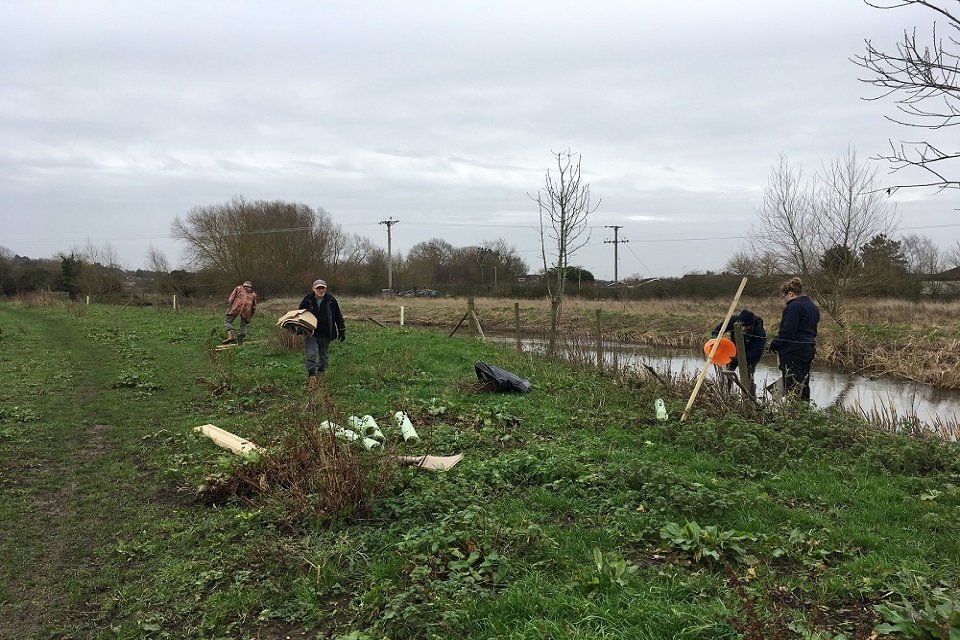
(883, 397)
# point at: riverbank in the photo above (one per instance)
(895, 338)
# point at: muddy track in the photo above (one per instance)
(62, 519)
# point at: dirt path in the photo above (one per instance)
(61, 519)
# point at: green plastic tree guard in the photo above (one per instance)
(402, 420)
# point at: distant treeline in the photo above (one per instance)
(75, 278)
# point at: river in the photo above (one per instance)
(879, 398)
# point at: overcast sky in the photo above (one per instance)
(117, 117)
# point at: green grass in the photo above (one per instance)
(552, 526)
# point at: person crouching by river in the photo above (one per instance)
(243, 304)
(796, 341)
(754, 341)
(330, 326)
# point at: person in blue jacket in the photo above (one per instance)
(754, 337)
(754, 340)
(796, 341)
(330, 326)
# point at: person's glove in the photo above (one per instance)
(341, 335)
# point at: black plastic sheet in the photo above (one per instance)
(500, 379)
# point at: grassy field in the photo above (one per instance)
(574, 514)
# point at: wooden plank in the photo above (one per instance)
(227, 440)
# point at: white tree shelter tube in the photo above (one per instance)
(402, 420)
(367, 426)
(349, 434)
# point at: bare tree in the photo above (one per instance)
(951, 256)
(923, 256)
(564, 204)
(101, 274)
(765, 264)
(504, 260)
(157, 263)
(280, 245)
(922, 79)
(429, 263)
(819, 226)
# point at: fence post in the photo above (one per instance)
(516, 324)
(471, 318)
(742, 368)
(599, 341)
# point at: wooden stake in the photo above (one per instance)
(227, 440)
(716, 343)
(465, 316)
(476, 323)
(516, 325)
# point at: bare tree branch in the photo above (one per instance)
(924, 82)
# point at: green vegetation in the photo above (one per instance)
(574, 514)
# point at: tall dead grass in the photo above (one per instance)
(889, 418)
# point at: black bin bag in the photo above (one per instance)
(500, 379)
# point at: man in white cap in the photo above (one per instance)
(330, 326)
(243, 304)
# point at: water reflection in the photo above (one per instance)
(885, 397)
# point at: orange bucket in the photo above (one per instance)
(725, 351)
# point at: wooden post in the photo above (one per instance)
(516, 324)
(476, 323)
(471, 317)
(742, 368)
(599, 341)
(713, 351)
(465, 316)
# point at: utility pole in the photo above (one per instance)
(616, 241)
(482, 261)
(390, 222)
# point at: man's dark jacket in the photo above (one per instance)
(754, 339)
(327, 309)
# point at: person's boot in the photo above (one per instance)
(230, 338)
(240, 339)
(312, 382)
